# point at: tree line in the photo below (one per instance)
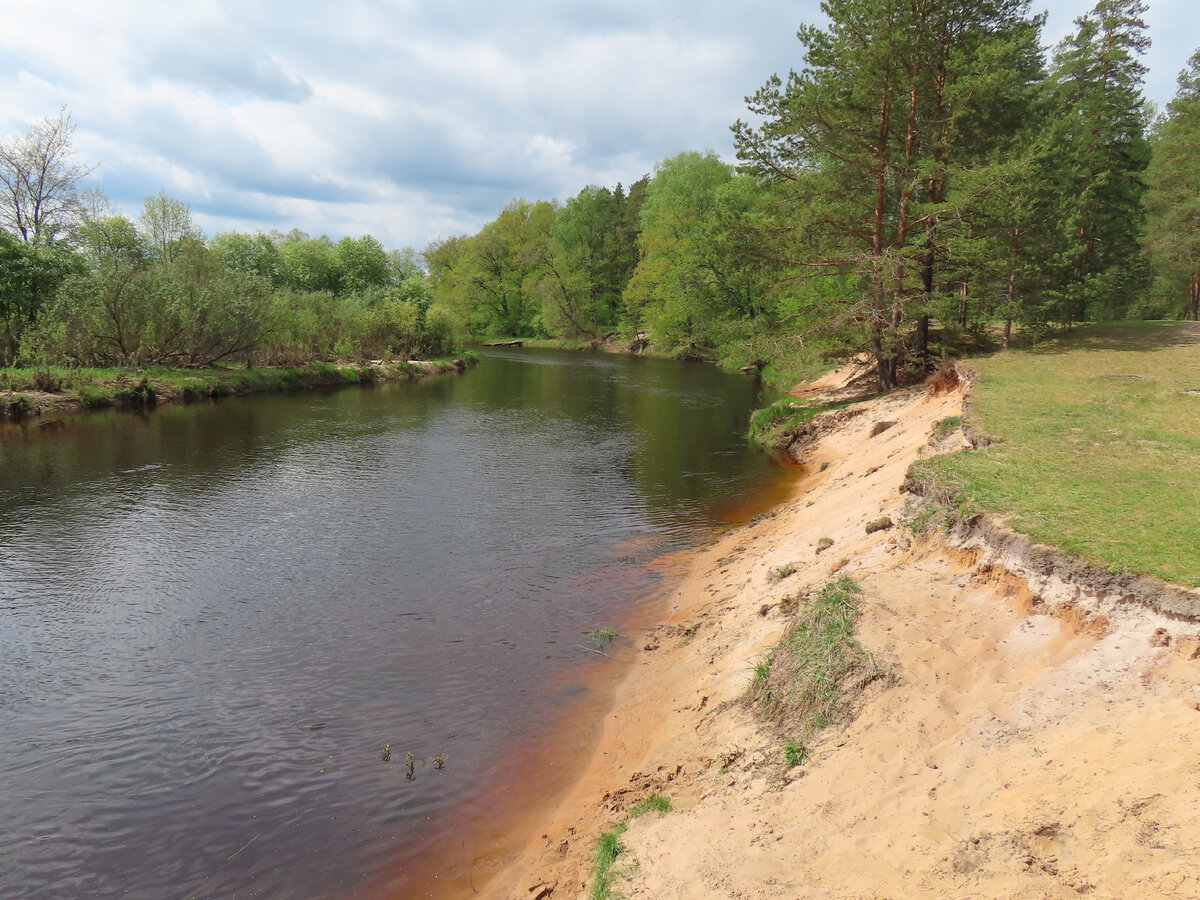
(928, 167)
(929, 173)
(81, 285)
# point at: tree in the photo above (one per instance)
(30, 274)
(254, 253)
(862, 146)
(167, 227)
(1173, 199)
(669, 290)
(39, 179)
(1100, 119)
(364, 263)
(311, 264)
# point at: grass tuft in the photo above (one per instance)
(813, 676)
(779, 573)
(778, 424)
(609, 848)
(603, 636)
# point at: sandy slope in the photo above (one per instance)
(1018, 754)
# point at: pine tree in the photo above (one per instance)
(1101, 125)
(895, 96)
(1173, 198)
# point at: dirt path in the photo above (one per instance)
(1018, 753)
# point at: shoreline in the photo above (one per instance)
(138, 389)
(462, 863)
(1022, 739)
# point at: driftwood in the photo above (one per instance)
(506, 344)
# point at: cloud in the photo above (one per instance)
(407, 119)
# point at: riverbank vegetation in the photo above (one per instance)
(1092, 441)
(928, 175)
(610, 850)
(37, 390)
(84, 286)
(929, 178)
(815, 675)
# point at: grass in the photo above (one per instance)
(813, 676)
(609, 848)
(602, 636)
(96, 388)
(946, 426)
(775, 426)
(779, 573)
(1094, 446)
(794, 753)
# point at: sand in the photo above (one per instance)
(1022, 749)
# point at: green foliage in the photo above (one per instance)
(30, 275)
(603, 636)
(1172, 200)
(794, 753)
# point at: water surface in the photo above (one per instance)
(213, 617)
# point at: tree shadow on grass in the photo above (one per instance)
(1123, 336)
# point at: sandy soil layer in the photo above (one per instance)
(1023, 749)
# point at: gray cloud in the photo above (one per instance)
(406, 118)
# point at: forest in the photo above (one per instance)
(931, 178)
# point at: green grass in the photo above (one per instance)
(1095, 445)
(812, 677)
(776, 425)
(602, 636)
(96, 388)
(609, 849)
(779, 573)
(794, 753)
(946, 426)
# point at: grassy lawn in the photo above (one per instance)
(1097, 446)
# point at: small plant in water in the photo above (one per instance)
(410, 765)
(439, 761)
(386, 753)
(602, 636)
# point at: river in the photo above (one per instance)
(214, 617)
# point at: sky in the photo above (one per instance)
(409, 119)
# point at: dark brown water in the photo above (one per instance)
(213, 617)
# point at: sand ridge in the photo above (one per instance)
(1015, 753)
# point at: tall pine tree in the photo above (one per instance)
(895, 95)
(1173, 199)
(1100, 127)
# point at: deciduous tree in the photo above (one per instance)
(39, 180)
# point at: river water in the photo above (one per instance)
(214, 617)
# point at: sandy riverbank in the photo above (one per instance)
(1018, 753)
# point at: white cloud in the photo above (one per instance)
(407, 119)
